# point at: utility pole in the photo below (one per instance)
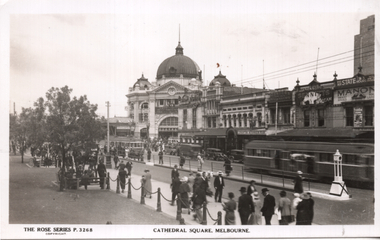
(108, 126)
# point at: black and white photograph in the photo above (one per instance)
(188, 119)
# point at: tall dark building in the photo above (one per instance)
(365, 46)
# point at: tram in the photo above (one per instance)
(315, 159)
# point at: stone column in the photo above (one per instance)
(180, 119)
(189, 118)
(199, 118)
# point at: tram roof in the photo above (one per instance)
(327, 147)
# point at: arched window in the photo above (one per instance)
(144, 106)
(170, 121)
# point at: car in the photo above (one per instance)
(171, 149)
(238, 155)
(213, 153)
(190, 150)
(135, 153)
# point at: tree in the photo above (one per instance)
(70, 122)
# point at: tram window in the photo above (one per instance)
(285, 155)
(350, 159)
(250, 152)
(257, 152)
(326, 157)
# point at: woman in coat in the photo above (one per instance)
(122, 176)
(257, 218)
(148, 184)
(184, 190)
(227, 166)
(230, 208)
(284, 206)
(305, 210)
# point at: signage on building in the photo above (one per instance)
(166, 110)
(280, 96)
(354, 94)
(123, 127)
(355, 80)
(192, 100)
(358, 116)
(316, 97)
(251, 132)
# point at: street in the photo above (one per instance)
(34, 199)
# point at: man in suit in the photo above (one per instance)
(175, 172)
(102, 173)
(245, 207)
(268, 206)
(218, 185)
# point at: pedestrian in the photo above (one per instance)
(142, 155)
(191, 179)
(245, 207)
(148, 154)
(230, 207)
(122, 165)
(312, 205)
(175, 172)
(227, 166)
(116, 160)
(102, 173)
(184, 190)
(200, 162)
(268, 206)
(298, 188)
(197, 182)
(85, 178)
(258, 205)
(285, 208)
(160, 157)
(148, 184)
(199, 198)
(129, 168)
(219, 186)
(305, 210)
(251, 188)
(122, 177)
(175, 188)
(181, 160)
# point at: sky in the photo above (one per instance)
(100, 48)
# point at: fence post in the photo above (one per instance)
(117, 184)
(142, 199)
(179, 207)
(219, 218)
(159, 200)
(283, 179)
(204, 222)
(129, 188)
(77, 183)
(108, 181)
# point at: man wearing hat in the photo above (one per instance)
(218, 185)
(175, 172)
(102, 173)
(268, 206)
(245, 207)
(298, 188)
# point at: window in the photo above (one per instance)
(225, 120)
(326, 157)
(234, 120)
(286, 115)
(350, 116)
(144, 106)
(321, 117)
(214, 122)
(194, 117)
(176, 101)
(170, 121)
(184, 120)
(306, 118)
(368, 115)
(273, 115)
(229, 121)
(209, 122)
(245, 122)
(161, 102)
(350, 159)
(239, 120)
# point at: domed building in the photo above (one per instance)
(172, 103)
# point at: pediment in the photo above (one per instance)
(170, 88)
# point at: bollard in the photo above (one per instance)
(117, 184)
(159, 200)
(204, 222)
(179, 208)
(182, 222)
(77, 183)
(219, 218)
(142, 200)
(129, 188)
(108, 181)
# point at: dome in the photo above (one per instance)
(142, 82)
(178, 64)
(221, 79)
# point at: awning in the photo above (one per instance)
(212, 132)
(321, 132)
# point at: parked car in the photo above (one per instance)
(171, 149)
(213, 153)
(135, 153)
(238, 155)
(190, 150)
